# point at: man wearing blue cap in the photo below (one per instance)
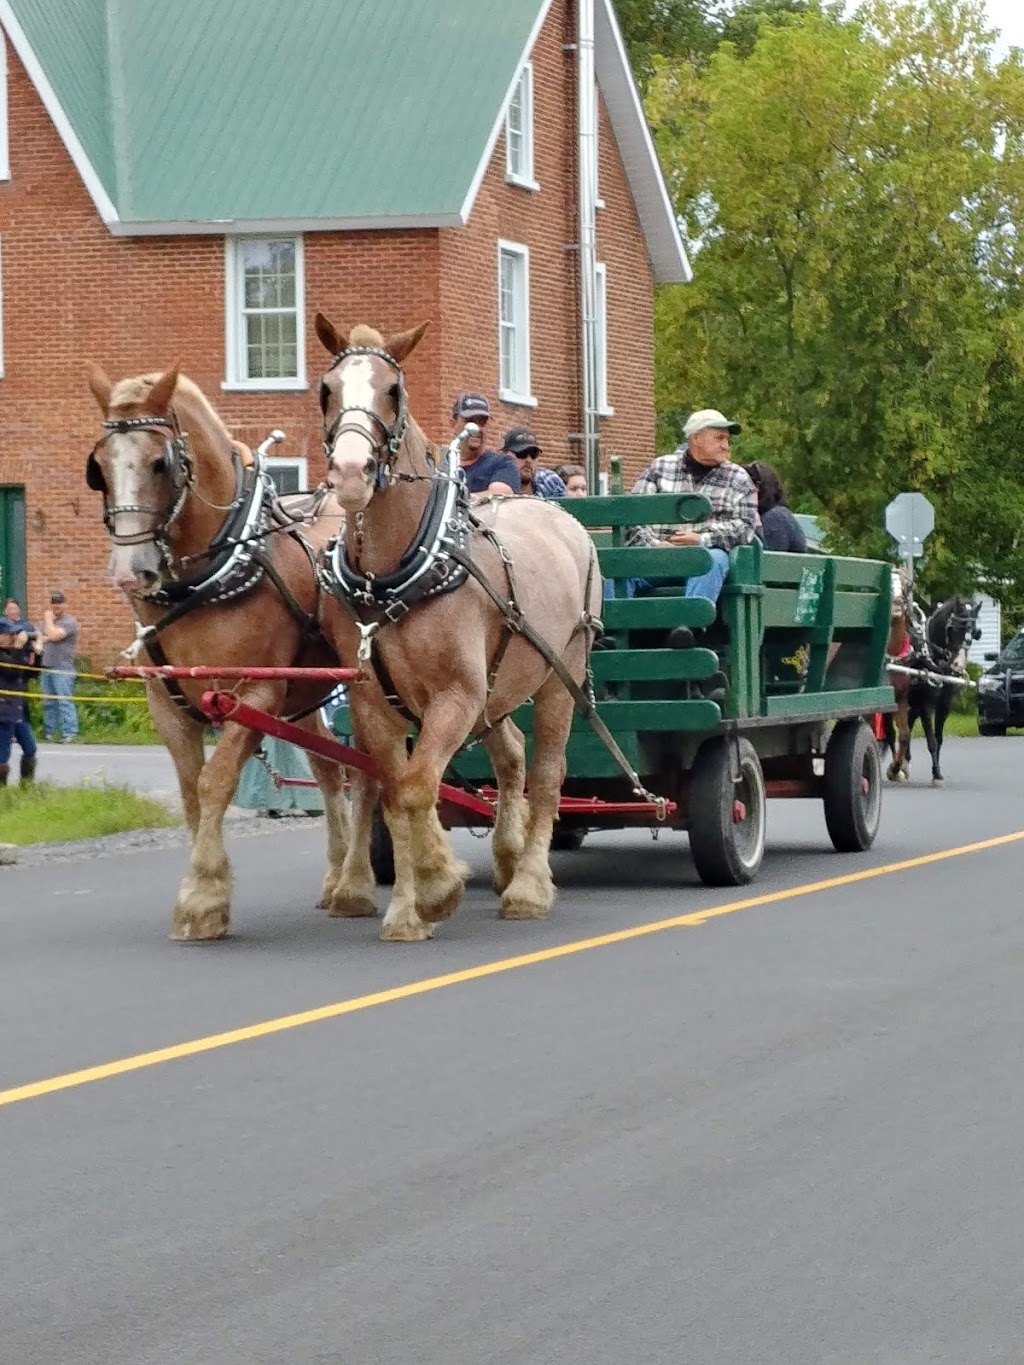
(485, 471)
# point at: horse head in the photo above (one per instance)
(952, 626)
(365, 408)
(161, 443)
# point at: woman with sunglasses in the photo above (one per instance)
(780, 529)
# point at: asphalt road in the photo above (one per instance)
(788, 1133)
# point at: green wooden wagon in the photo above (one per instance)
(801, 640)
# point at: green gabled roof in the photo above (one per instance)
(263, 110)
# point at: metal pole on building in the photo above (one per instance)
(586, 123)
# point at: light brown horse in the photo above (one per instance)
(177, 493)
(452, 662)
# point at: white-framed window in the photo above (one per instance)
(601, 338)
(519, 132)
(265, 313)
(290, 475)
(514, 324)
(5, 154)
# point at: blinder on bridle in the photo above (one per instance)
(178, 467)
(384, 451)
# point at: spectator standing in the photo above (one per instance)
(14, 642)
(485, 471)
(780, 529)
(534, 482)
(33, 649)
(60, 640)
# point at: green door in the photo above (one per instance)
(12, 544)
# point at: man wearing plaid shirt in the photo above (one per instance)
(702, 465)
(523, 446)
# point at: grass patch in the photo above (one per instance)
(39, 812)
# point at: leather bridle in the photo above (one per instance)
(179, 467)
(384, 451)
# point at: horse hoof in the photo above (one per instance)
(438, 896)
(352, 907)
(439, 905)
(205, 928)
(405, 933)
(938, 781)
(520, 909)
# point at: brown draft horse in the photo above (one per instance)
(451, 662)
(179, 496)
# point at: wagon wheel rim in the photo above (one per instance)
(870, 787)
(748, 817)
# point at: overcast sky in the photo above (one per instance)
(1008, 15)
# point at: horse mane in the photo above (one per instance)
(188, 401)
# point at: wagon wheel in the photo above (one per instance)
(567, 840)
(726, 820)
(382, 854)
(853, 787)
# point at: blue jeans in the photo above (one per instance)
(707, 585)
(58, 715)
(21, 731)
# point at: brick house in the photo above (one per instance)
(191, 182)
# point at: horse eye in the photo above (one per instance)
(160, 464)
(325, 398)
(393, 393)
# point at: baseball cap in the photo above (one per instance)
(57, 597)
(520, 440)
(709, 417)
(471, 405)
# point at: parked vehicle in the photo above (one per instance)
(1001, 689)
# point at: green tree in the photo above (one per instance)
(849, 188)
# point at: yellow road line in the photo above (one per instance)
(507, 964)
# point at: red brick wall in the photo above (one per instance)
(73, 293)
(546, 222)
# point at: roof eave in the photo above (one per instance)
(90, 179)
(231, 227)
(495, 133)
(665, 248)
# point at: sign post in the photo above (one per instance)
(910, 520)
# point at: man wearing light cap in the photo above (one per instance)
(702, 465)
(485, 471)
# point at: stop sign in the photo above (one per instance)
(910, 520)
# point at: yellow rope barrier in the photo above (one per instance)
(96, 677)
(46, 696)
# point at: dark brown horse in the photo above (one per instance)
(436, 636)
(215, 575)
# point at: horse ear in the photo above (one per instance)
(401, 345)
(334, 341)
(101, 387)
(160, 395)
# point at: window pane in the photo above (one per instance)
(269, 292)
(512, 316)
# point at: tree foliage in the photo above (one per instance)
(850, 189)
